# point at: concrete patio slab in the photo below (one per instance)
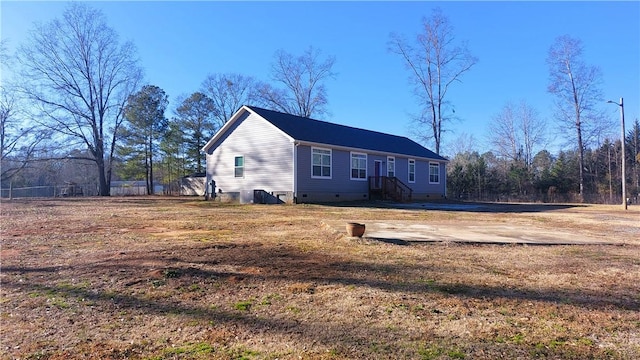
(404, 232)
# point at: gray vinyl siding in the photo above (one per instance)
(268, 157)
(340, 173)
(341, 187)
(422, 188)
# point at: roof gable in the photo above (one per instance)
(322, 132)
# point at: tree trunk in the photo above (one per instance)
(151, 189)
(434, 126)
(199, 166)
(610, 175)
(636, 151)
(581, 161)
(576, 104)
(103, 187)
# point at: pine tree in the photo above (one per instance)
(195, 115)
(145, 125)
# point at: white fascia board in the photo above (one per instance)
(367, 151)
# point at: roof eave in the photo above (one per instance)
(368, 151)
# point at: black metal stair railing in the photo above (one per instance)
(389, 187)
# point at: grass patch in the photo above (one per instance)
(59, 303)
(430, 352)
(270, 298)
(243, 305)
(171, 273)
(243, 353)
(200, 350)
(456, 354)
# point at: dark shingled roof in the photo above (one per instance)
(322, 132)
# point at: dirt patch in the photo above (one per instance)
(8, 253)
(172, 278)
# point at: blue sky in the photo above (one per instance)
(179, 43)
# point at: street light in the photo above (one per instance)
(624, 192)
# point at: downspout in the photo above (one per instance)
(445, 180)
(295, 172)
(207, 187)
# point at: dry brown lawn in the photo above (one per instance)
(167, 278)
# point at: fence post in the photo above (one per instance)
(11, 190)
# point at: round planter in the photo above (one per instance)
(355, 229)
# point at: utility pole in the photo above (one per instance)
(624, 173)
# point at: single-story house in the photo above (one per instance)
(267, 156)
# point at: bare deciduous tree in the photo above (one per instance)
(633, 155)
(517, 132)
(10, 131)
(228, 92)
(575, 86)
(463, 143)
(80, 77)
(304, 93)
(435, 62)
(19, 141)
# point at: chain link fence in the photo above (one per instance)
(67, 190)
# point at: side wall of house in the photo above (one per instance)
(423, 189)
(340, 187)
(268, 160)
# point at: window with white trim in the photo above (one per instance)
(358, 166)
(412, 171)
(434, 173)
(239, 166)
(391, 166)
(321, 163)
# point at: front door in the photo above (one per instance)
(377, 170)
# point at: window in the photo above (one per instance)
(239, 166)
(358, 166)
(391, 166)
(412, 171)
(320, 163)
(434, 173)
